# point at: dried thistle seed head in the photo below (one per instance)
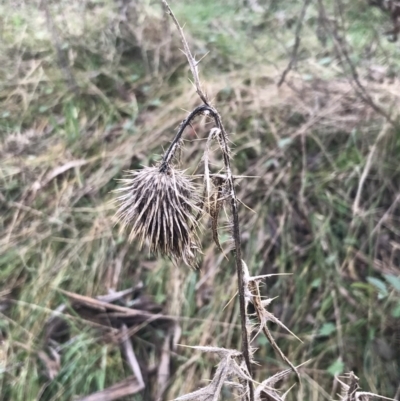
(158, 207)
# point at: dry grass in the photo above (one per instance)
(308, 148)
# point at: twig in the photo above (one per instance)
(296, 46)
(367, 167)
(124, 388)
(397, 395)
(344, 58)
(163, 372)
(130, 356)
(115, 296)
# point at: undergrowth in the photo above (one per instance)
(91, 89)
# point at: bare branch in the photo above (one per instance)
(344, 58)
(296, 46)
(367, 167)
(130, 356)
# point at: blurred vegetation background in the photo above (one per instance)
(90, 89)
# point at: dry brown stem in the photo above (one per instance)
(297, 41)
(345, 59)
(191, 60)
(223, 142)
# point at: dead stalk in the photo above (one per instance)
(206, 108)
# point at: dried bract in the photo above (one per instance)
(158, 206)
(350, 391)
(228, 373)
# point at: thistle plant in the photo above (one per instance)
(161, 205)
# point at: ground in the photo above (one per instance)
(89, 90)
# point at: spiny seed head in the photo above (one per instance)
(158, 206)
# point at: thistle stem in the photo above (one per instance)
(169, 154)
(207, 109)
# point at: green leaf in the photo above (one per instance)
(351, 241)
(371, 333)
(307, 77)
(396, 311)
(379, 285)
(325, 61)
(134, 77)
(361, 286)
(316, 283)
(330, 260)
(326, 304)
(282, 143)
(327, 329)
(155, 102)
(393, 280)
(17, 20)
(336, 368)
(262, 341)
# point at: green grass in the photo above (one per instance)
(62, 150)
